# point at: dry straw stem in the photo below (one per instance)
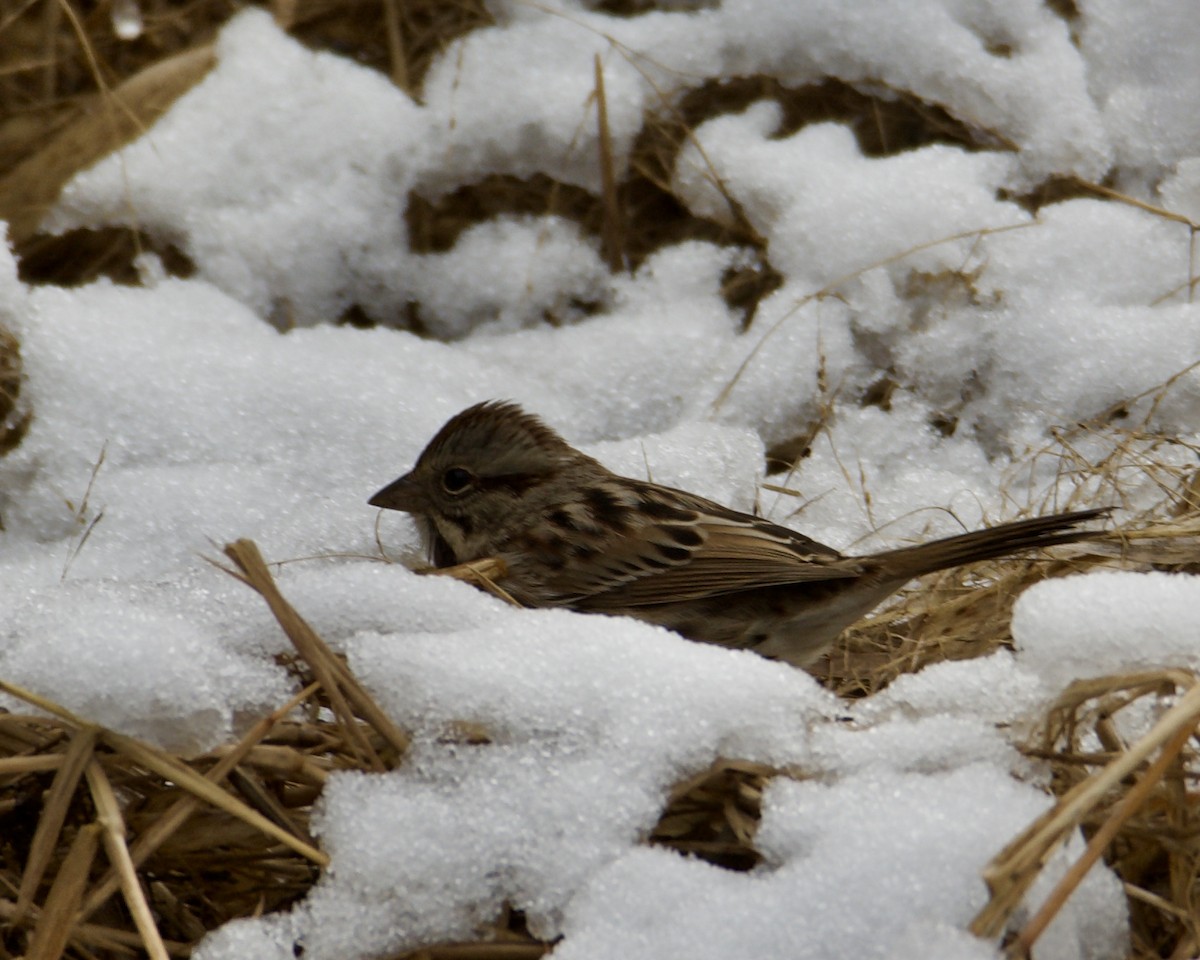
(1128, 806)
(398, 62)
(479, 573)
(93, 937)
(611, 232)
(52, 934)
(174, 770)
(832, 288)
(174, 817)
(112, 120)
(1015, 868)
(965, 612)
(15, 766)
(59, 925)
(79, 753)
(957, 614)
(340, 685)
(715, 814)
(282, 761)
(108, 815)
(291, 14)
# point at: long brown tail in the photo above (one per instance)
(987, 544)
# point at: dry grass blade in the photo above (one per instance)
(44, 703)
(714, 814)
(341, 686)
(49, 938)
(831, 289)
(32, 188)
(1014, 869)
(611, 231)
(395, 45)
(81, 514)
(229, 862)
(1125, 198)
(173, 770)
(175, 816)
(479, 573)
(309, 646)
(1129, 805)
(95, 938)
(14, 766)
(282, 761)
(256, 794)
(54, 813)
(108, 815)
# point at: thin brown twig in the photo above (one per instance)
(340, 685)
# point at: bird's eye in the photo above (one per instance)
(456, 480)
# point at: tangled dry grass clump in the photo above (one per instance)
(191, 843)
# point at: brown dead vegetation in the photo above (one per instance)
(112, 848)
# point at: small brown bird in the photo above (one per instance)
(497, 482)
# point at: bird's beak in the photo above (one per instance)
(403, 494)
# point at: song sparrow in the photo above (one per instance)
(497, 482)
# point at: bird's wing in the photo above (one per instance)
(683, 547)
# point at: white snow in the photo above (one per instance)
(174, 416)
(1078, 628)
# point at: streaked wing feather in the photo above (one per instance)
(734, 551)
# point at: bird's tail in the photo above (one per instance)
(909, 562)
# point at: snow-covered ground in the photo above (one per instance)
(284, 176)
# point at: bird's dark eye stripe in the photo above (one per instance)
(684, 536)
(514, 483)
